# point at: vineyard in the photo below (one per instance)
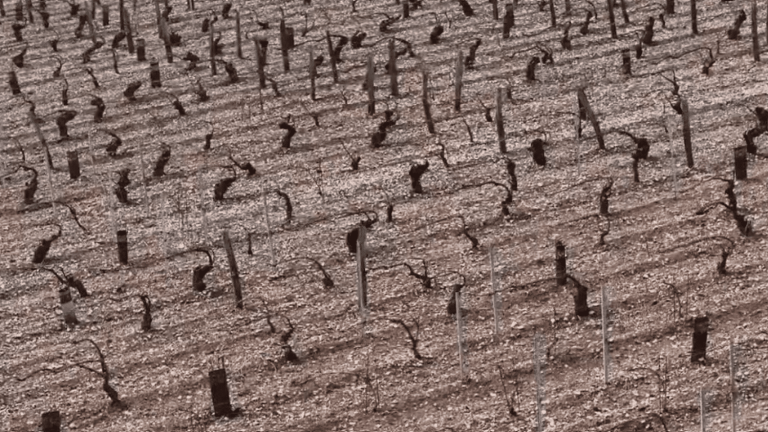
(542, 216)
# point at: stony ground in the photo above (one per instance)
(352, 377)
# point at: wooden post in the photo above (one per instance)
(2, 9)
(334, 70)
(509, 19)
(233, 272)
(755, 40)
(154, 73)
(734, 389)
(144, 181)
(269, 229)
(261, 60)
(122, 246)
(129, 35)
(460, 335)
(370, 86)
(120, 9)
(28, 6)
(166, 40)
(606, 352)
(3, 170)
(89, 17)
(201, 187)
(694, 26)
(700, 330)
(362, 278)
(289, 33)
(107, 208)
(626, 62)
(567, 7)
(500, 134)
(39, 132)
(579, 293)
(158, 16)
(496, 297)
(406, 9)
(612, 19)
(13, 81)
(560, 263)
(74, 164)
(425, 100)
(67, 306)
(238, 39)
(740, 162)
(211, 49)
(577, 127)
(286, 43)
(394, 91)
(220, 392)
(51, 421)
(673, 158)
(592, 118)
(48, 161)
(624, 14)
(312, 75)
(168, 53)
(458, 77)
(703, 410)
(495, 9)
(165, 30)
(141, 49)
(552, 16)
(539, 349)
(670, 7)
(687, 132)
